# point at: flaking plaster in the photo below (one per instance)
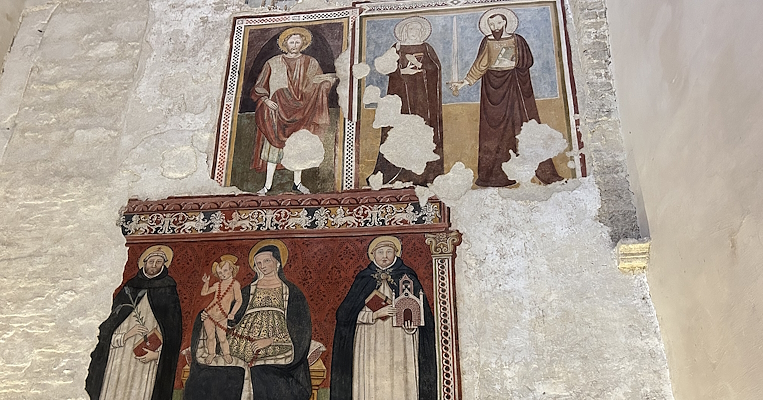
(117, 100)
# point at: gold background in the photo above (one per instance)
(461, 136)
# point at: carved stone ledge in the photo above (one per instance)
(633, 255)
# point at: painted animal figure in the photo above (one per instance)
(406, 216)
(342, 219)
(298, 218)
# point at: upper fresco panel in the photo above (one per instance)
(395, 95)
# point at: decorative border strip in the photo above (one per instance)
(248, 213)
(443, 247)
(348, 156)
(234, 65)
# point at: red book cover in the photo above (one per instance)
(376, 301)
(152, 342)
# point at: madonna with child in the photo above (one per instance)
(262, 353)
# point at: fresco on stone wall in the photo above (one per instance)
(283, 297)
(280, 119)
(395, 94)
(471, 77)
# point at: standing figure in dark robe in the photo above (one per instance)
(417, 81)
(507, 100)
(147, 308)
(372, 358)
(291, 94)
(269, 339)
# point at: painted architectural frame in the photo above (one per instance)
(254, 42)
(324, 241)
(451, 38)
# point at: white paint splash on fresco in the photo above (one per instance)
(536, 143)
(342, 66)
(303, 150)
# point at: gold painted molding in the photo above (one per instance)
(633, 255)
(443, 244)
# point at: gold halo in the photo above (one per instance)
(291, 31)
(426, 26)
(153, 249)
(227, 257)
(511, 20)
(395, 241)
(267, 242)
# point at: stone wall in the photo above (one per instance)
(689, 87)
(113, 100)
(10, 16)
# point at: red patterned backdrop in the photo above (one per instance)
(323, 268)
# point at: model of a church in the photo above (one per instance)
(409, 308)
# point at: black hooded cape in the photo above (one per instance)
(165, 304)
(344, 335)
(269, 382)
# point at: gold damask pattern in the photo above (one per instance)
(267, 320)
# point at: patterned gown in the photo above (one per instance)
(265, 317)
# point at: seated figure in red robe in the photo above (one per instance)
(291, 94)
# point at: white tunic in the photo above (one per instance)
(385, 358)
(126, 377)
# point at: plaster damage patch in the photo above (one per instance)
(422, 192)
(372, 94)
(536, 143)
(360, 70)
(453, 185)
(547, 314)
(179, 163)
(410, 142)
(387, 62)
(376, 181)
(303, 150)
(342, 66)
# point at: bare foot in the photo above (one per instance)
(228, 359)
(209, 359)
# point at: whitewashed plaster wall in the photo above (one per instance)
(117, 99)
(690, 90)
(10, 16)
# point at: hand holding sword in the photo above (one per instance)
(457, 85)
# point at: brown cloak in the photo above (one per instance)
(507, 101)
(421, 94)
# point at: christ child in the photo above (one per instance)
(223, 307)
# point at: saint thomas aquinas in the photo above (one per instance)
(373, 359)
